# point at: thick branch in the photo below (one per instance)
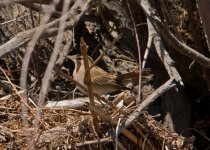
(203, 8)
(170, 38)
(160, 91)
(163, 54)
(50, 29)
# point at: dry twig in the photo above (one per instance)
(163, 54)
(158, 92)
(84, 50)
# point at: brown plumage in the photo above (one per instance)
(103, 82)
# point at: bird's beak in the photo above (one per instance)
(69, 57)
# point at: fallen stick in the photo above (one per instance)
(158, 92)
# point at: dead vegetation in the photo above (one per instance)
(148, 46)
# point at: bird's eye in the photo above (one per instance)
(79, 58)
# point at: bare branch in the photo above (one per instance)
(41, 9)
(158, 92)
(203, 8)
(84, 50)
(30, 48)
(163, 55)
(138, 100)
(50, 29)
(28, 1)
(83, 5)
(149, 44)
(170, 38)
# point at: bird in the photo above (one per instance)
(102, 81)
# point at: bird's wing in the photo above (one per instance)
(101, 77)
